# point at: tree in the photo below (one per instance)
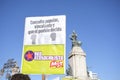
(9, 68)
(69, 71)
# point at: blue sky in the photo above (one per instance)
(97, 23)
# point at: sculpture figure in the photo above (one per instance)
(75, 42)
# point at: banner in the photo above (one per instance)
(44, 45)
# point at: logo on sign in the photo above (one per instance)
(29, 56)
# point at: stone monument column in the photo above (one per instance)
(77, 59)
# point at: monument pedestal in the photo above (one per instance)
(77, 60)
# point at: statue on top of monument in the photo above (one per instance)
(75, 42)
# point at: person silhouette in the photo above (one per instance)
(33, 38)
(53, 36)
